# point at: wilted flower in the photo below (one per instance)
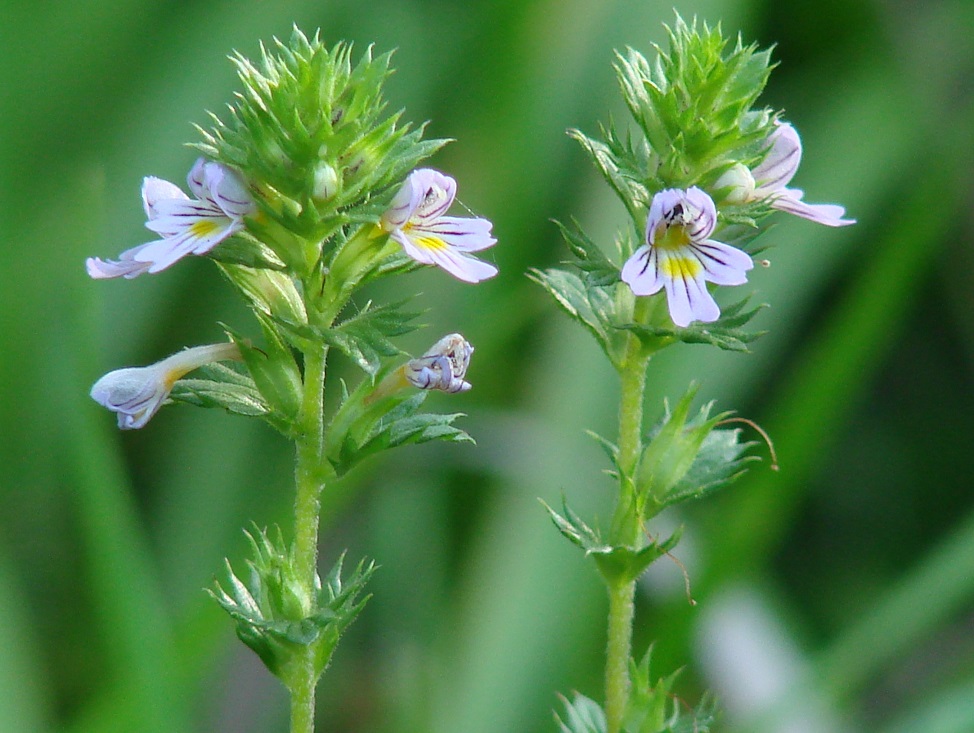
(679, 257)
(769, 180)
(187, 226)
(137, 393)
(416, 220)
(442, 367)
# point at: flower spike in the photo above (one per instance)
(770, 178)
(137, 393)
(679, 256)
(416, 220)
(187, 226)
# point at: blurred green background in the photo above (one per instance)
(834, 595)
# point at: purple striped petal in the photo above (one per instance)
(466, 235)
(641, 272)
(782, 159)
(722, 264)
(831, 215)
(125, 266)
(155, 191)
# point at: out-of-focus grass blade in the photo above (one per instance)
(835, 365)
(528, 605)
(129, 609)
(951, 711)
(941, 586)
(833, 370)
(25, 704)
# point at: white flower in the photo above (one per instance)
(679, 256)
(416, 220)
(186, 226)
(442, 367)
(769, 180)
(137, 393)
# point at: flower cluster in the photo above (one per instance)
(679, 256)
(416, 219)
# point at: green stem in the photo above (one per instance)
(618, 652)
(303, 703)
(626, 526)
(307, 508)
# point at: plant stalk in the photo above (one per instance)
(618, 652)
(626, 525)
(307, 509)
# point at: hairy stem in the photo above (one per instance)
(626, 525)
(307, 508)
(618, 652)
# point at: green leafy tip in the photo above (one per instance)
(310, 132)
(652, 708)
(275, 615)
(688, 458)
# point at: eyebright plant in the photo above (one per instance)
(699, 171)
(306, 191)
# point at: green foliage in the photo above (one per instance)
(725, 333)
(365, 336)
(363, 427)
(652, 708)
(694, 105)
(269, 292)
(225, 388)
(582, 715)
(606, 312)
(593, 306)
(687, 458)
(274, 614)
(617, 563)
(597, 269)
(683, 458)
(309, 129)
(275, 372)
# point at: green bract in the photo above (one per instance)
(652, 708)
(311, 129)
(694, 108)
(687, 457)
(310, 133)
(275, 613)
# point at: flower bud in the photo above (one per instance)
(326, 182)
(739, 182)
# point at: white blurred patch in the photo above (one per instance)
(756, 668)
